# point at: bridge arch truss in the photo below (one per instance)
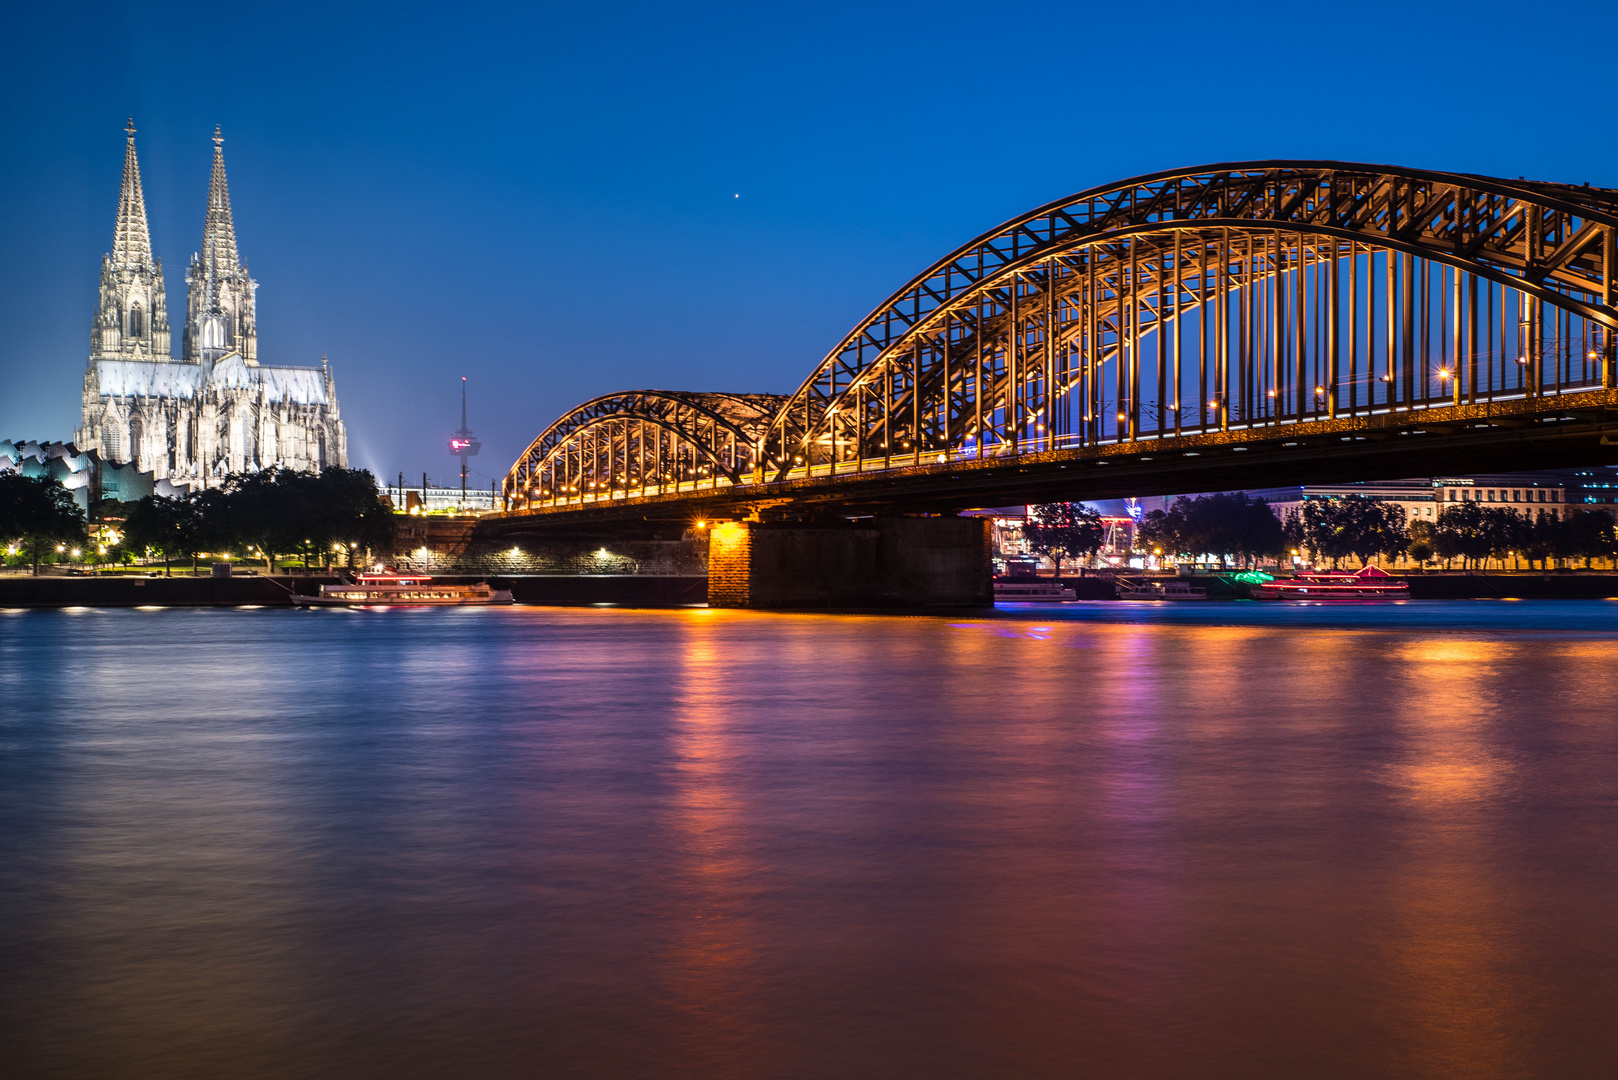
(1234, 296)
(641, 442)
(1222, 301)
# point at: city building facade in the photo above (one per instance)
(82, 472)
(1536, 494)
(216, 410)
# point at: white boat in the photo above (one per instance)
(1153, 589)
(403, 590)
(1032, 591)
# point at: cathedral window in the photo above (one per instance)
(136, 429)
(110, 450)
(137, 325)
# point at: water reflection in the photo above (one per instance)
(721, 844)
(710, 905)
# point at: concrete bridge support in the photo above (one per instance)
(894, 562)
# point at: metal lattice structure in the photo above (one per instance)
(642, 442)
(1239, 297)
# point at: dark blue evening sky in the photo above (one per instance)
(544, 197)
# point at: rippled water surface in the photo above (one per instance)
(1087, 841)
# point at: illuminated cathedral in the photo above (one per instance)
(216, 410)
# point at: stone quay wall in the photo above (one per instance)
(438, 545)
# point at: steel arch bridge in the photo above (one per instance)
(644, 442)
(1352, 315)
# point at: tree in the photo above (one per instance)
(1467, 531)
(1421, 547)
(1161, 530)
(211, 523)
(38, 511)
(267, 510)
(1503, 532)
(1235, 523)
(346, 510)
(1376, 528)
(1512, 534)
(1590, 535)
(1294, 532)
(161, 524)
(1354, 526)
(1321, 528)
(1220, 525)
(1059, 530)
(1539, 540)
(1446, 538)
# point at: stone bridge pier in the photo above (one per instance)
(884, 562)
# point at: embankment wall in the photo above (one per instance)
(626, 590)
(438, 545)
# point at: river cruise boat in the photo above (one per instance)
(1152, 589)
(1370, 583)
(1035, 592)
(387, 589)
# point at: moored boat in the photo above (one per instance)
(1032, 591)
(1368, 583)
(389, 589)
(1153, 589)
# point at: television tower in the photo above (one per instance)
(462, 443)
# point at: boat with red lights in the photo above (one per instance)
(385, 588)
(1369, 583)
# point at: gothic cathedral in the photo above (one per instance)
(216, 410)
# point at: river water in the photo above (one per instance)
(1095, 840)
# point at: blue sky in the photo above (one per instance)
(562, 200)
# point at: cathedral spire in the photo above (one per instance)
(131, 320)
(131, 240)
(219, 303)
(218, 230)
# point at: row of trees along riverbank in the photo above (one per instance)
(1224, 525)
(256, 516)
(1361, 528)
(266, 514)
(1236, 527)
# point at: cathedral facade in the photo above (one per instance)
(216, 410)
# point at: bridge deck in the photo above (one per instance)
(1525, 433)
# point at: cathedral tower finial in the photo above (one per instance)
(219, 253)
(131, 240)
